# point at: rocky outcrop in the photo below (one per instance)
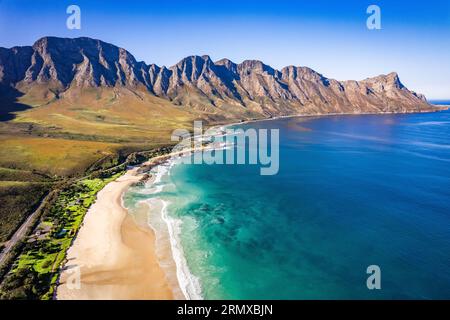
(63, 64)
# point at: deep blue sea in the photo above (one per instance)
(351, 191)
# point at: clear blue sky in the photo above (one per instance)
(328, 36)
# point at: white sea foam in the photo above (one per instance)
(431, 123)
(430, 145)
(358, 136)
(188, 283)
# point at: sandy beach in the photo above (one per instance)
(114, 257)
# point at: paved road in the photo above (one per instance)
(25, 227)
(22, 231)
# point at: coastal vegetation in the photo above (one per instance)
(53, 157)
(64, 138)
(18, 199)
(34, 263)
(37, 158)
(108, 115)
(34, 273)
(52, 141)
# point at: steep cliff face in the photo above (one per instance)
(63, 65)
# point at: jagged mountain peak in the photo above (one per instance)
(227, 64)
(250, 66)
(63, 63)
(391, 79)
(192, 67)
(195, 59)
(302, 72)
(224, 62)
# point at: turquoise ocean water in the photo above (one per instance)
(352, 191)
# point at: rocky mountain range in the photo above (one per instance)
(64, 66)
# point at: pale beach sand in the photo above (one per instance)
(116, 257)
(115, 254)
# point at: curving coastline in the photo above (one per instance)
(115, 256)
(167, 230)
(121, 258)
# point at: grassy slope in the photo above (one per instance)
(112, 114)
(7, 174)
(65, 136)
(82, 130)
(17, 199)
(20, 192)
(51, 156)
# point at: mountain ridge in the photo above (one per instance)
(248, 88)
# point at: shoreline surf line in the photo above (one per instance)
(166, 157)
(111, 254)
(111, 257)
(169, 233)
